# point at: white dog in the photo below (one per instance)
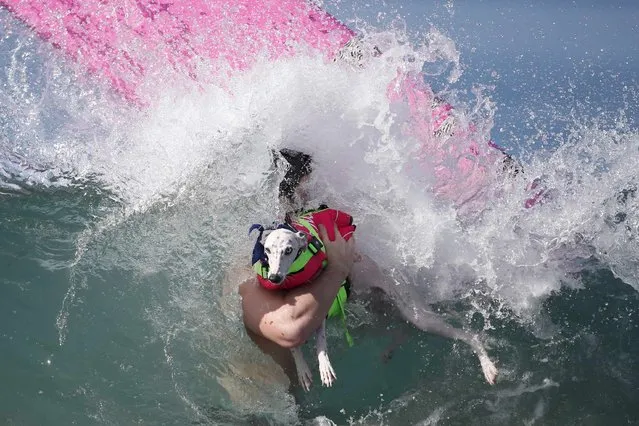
(282, 246)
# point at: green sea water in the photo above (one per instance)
(132, 355)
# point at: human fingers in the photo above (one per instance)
(339, 252)
(328, 234)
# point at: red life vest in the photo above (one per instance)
(310, 263)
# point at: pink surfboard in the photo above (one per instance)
(123, 41)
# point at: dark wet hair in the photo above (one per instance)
(299, 165)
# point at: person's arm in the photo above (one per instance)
(289, 318)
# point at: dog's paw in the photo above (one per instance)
(489, 369)
(305, 377)
(303, 372)
(326, 370)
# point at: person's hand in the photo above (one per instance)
(340, 253)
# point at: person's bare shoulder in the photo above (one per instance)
(248, 284)
(236, 273)
(265, 313)
(257, 300)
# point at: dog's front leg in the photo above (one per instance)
(303, 372)
(325, 367)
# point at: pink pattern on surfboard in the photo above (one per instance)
(125, 40)
(462, 166)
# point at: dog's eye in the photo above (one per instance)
(267, 250)
(288, 251)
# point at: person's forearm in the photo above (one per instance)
(311, 302)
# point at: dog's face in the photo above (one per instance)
(282, 246)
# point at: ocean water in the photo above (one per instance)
(121, 228)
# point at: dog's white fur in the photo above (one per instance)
(282, 246)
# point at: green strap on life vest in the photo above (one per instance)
(337, 310)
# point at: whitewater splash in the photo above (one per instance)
(186, 175)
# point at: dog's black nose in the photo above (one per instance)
(275, 278)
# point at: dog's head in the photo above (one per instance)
(282, 246)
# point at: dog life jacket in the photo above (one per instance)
(309, 262)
